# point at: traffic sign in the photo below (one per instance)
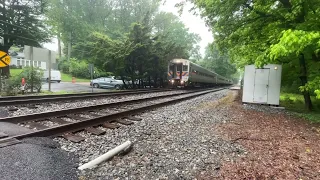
(4, 59)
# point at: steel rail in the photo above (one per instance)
(9, 101)
(39, 116)
(77, 126)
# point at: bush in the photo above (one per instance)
(12, 86)
(15, 67)
(80, 69)
(64, 66)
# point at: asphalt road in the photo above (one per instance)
(70, 87)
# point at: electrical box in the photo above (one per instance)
(262, 85)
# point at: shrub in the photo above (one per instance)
(64, 66)
(80, 69)
(12, 86)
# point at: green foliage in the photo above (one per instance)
(80, 69)
(218, 62)
(131, 39)
(33, 76)
(20, 24)
(12, 86)
(295, 102)
(266, 31)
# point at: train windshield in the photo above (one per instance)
(171, 68)
(185, 68)
(179, 67)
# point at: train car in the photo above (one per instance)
(182, 72)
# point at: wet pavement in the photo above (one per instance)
(70, 87)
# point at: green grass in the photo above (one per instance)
(295, 103)
(64, 77)
(15, 72)
(68, 78)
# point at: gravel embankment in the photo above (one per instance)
(56, 106)
(174, 142)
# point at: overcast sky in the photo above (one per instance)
(194, 23)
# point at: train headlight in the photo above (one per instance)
(172, 81)
(182, 82)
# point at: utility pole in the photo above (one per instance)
(69, 46)
(49, 67)
(31, 61)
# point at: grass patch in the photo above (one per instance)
(295, 103)
(68, 78)
(15, 72)
(64, 77)
(54, 93)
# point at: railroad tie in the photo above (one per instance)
(95, 115)
(73, 138)
(110, 126)
(124, 122)
(95, 131)
(59, 121)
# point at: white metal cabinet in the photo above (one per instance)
(262, 85)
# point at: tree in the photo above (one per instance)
(249, 29)
(20, 24)
(175, 31)
(218, 62)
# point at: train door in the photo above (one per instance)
(179, 71)
(172, 71)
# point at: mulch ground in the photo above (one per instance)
(278, 146)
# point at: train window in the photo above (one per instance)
(185, 68)
(171, 68)
(179, 67)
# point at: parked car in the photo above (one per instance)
(106, 82)
(55, 75)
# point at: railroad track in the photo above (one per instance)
(19, 100)
(67, 122)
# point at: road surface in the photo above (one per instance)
(70, 87)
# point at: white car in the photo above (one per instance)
(55, 75)
(106, 82)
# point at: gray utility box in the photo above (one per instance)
(262, 86)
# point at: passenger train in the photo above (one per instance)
(184, 73)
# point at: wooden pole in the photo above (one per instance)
(49, 67)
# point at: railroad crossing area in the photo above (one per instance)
(153, 134)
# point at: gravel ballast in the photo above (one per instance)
(173, 142)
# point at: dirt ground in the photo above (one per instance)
(278, 145)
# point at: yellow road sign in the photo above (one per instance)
(4, 59)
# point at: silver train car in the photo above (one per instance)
(182, 72)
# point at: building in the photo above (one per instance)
(18, 59)
(40, 59)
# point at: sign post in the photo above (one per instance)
(91, 70)
(49, 65)
(4, 61)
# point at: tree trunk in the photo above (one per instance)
(133, 85)
(161, 82)
(304, 81)
(69, 46)
(59, 47)
(5, 71)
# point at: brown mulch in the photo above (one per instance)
(278, 146)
